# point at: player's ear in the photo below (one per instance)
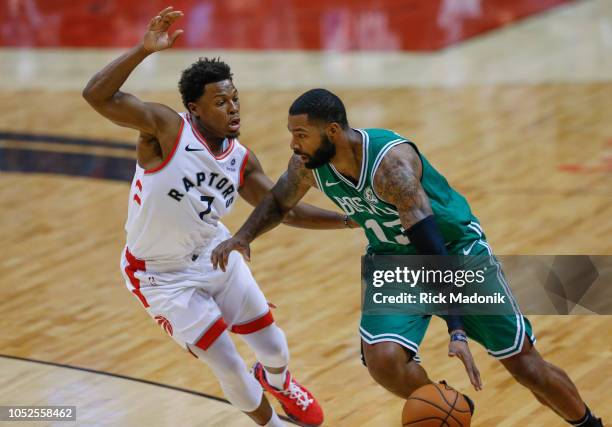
(193, 109)
(333, 130)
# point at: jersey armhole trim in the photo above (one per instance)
(243, 166)
(171, 155)
(378, 161)
(315, 173)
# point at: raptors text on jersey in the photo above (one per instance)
(174, 209)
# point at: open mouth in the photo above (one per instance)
(234, 125)
(303, 156)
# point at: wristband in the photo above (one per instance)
(345, 220)
(458, 336)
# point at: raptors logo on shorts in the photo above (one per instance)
(164, 323)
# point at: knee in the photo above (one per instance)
(270, 345)
(385, 362)
(279, 350)
(530, 371)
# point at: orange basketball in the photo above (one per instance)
(436, 405)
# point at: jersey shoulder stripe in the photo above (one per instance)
(317, 179)
(363, 176)
(171, 155)
(378, 160)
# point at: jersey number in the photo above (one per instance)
(380, 234)
(208, 200)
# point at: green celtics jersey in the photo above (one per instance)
(379, 219)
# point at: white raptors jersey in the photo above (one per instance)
(174, 209)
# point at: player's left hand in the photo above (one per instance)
(220, 255)
(461, 350)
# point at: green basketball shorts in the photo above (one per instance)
(503, 336)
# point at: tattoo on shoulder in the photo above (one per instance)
(397, 181)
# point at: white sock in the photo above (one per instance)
(277, 380)
(275, 421)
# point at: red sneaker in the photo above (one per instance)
(296, 400)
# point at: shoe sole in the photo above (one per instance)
(295, 420)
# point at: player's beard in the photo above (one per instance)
(325, 152)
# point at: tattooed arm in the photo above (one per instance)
(398, 181)
(257, 185)
(286, 193)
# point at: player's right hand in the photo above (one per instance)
(157, 38)
(462, 351)
(220, 255)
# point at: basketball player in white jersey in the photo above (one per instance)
(191, 168)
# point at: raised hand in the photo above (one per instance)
(157, 38)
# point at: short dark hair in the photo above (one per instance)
(200, 73)
(321, 105)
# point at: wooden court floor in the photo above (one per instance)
(535, 162)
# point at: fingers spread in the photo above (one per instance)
(171, 17)
(165, 11)
(174, 15)
(166, 17)
(154, 21)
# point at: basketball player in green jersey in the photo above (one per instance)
(404, 206)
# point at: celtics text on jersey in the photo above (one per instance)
(379, 219)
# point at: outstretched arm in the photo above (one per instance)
(398, 181)
(103, 94)
(286, 193)
(256, 185)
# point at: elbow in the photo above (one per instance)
(288, 217)
(89, 94)
(88, 90)
(86, 94)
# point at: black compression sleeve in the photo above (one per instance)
(427, 238)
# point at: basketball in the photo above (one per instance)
(436, 405)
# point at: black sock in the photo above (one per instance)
(588, 420)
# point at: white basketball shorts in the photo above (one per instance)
(195, 304)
